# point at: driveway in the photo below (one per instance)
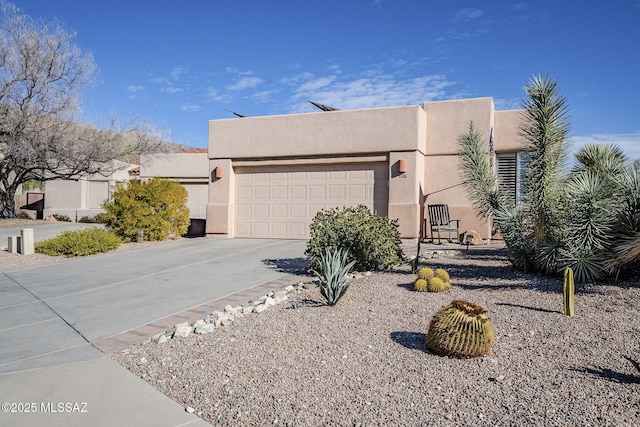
(50, 315)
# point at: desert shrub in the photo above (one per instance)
(332, 273)
(157, 206)
(23, 215)
(79, 243)
(62, 218)
(372, 242)
(98, 219)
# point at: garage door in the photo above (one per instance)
(280, 202)
(197, 201)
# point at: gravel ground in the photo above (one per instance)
(364, 361)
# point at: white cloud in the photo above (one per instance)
(171, 90)
(313, 85)
(507, 104)
(468, 14)
(212, 95)
(295, 79)
(177, 72)
(161, 80)
(372, 89)
(263, 96)
(135, 88)
(246, 83)
(628, 142)
(190, 107)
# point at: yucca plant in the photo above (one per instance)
(333, 274)
(587, 220)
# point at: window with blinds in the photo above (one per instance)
(510, 168)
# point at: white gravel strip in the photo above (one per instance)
(364, 361)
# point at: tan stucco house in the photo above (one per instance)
(270, 175)
(189, 168)
(84, 197)
(267, 177)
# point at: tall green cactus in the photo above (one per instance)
(568, 290)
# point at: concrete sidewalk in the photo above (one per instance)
(53, 317)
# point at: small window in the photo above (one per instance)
(510, 168)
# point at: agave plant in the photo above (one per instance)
(333, 274)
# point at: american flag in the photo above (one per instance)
(492, 150)
(492, 154)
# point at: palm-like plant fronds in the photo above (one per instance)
(481, 182)
(608, 160)
(588, 220)
(587, 265)
(544, 129)
(592, 217)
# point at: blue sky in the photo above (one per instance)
(180, 64)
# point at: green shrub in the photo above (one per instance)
(157, 206)
(332, 272)
(98, 219)
(372, 242)
(79, 243)
(62, 218)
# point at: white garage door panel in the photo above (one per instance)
(280, 202)
(197, 200)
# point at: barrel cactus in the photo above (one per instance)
(425, 273)
(460, 329)
(420, 285)
(436, 284)
(442, 274)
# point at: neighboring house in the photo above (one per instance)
(271, 175)
(84, 197)
(189, 168)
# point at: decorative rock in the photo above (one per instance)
(189, 409)
(260, 308)
(226, 322)
(472, 237)
(368, 273)
(158, 336)
(289, 288)
(162, 339)
(230, 310)
(248, 309)
(181, 325)
(182, 331)
(198, 323)
(269, 301)
(280, 297)
(205, 328)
